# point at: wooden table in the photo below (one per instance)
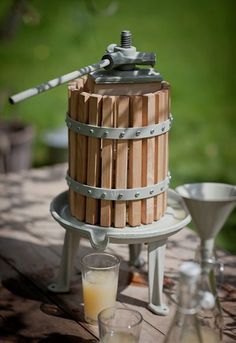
(30, 250)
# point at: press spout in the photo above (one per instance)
(99, 240)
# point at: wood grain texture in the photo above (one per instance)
(107, 160)
(74, 88)
(122, 120)
(159, 154)
(94, 155)
(131, 89)
(148, 160)
(82, 154)
(30, 250)
(72, 110)
(122, 89)
(135, 161)
(29, 315)
(166, 91)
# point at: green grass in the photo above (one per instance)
(195, 46)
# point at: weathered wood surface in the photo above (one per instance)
(93, 168)
(107, 160)
(135, 161)
(30, 250)
(122, 120)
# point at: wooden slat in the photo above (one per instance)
(166, 91)
(159, 154)
(74, 88)
(148, 150)
(81, 170)
(71, 148)
(72, 141)
(80, 83)
(94, 155)
(107, 159)
(122, 120)
(135, 161)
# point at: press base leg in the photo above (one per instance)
(156, 259)
(70, 247)
(135, 259)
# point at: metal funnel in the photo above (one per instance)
(209, 204)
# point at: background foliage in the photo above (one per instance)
(195, 45)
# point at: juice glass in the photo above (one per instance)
(99, 280)
(119, 325)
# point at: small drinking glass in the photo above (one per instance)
(99, 280)
(118, 325)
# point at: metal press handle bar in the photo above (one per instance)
(124, 57)
(58, 81)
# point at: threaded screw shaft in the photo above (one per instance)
(126, 39)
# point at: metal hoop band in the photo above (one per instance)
(119, 133)
(118, 194)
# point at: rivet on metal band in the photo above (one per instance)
(119, 133)
(118, 194)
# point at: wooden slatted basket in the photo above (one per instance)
(117, 163)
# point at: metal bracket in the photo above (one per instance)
(126, 76)
(119, 133)
(118, 194)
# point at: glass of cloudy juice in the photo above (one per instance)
(99, 281)
(119, 325)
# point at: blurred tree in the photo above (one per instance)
(108, 7)
(22, 11)
(19, 11)
(12, 19)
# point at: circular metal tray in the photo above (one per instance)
(176, 217)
